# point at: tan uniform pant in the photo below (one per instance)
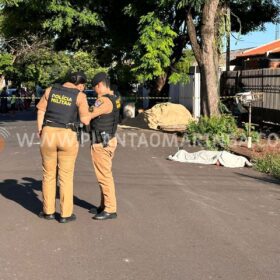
(59, 149)
(102, 162)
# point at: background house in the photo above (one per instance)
(265, 56)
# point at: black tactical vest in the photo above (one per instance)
(62, 108)
(109, 122)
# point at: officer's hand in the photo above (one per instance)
(39, 134)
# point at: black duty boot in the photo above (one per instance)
(42, 215)
(67, 219)
(105, 216)
(96, 210)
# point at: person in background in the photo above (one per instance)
(13, 102)
(24, 95)
(38, 94)
(4, 101)
(19, 102)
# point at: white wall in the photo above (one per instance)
(188, 94)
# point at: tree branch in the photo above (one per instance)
(193, 36)
(20, 47)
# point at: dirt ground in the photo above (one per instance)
(258, 150)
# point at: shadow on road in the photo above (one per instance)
(265, 179)
(24, 194)
(29, 115)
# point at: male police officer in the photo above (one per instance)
(105, 116)
(59, 111)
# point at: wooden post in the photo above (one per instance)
(249, 144)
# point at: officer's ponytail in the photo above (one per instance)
(78, 78)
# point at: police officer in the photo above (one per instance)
(59, 110)
(105, 116)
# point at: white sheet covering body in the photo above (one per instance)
(211, 157)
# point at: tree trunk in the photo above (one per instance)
(160, 83)
(209, 87)
(206, 54)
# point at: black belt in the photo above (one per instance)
(60, 125)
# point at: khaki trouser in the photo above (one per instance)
(102, 162)
(59, 149)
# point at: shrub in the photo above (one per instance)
(213, 132)
(243, 134)
(269, 164)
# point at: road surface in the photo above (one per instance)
(175, 221)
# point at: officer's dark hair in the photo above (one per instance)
(106, 82)
(101, 77)
(77, 78)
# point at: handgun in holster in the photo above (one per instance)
(100, 137)
(105, 137)
(78, 128)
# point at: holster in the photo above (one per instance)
(97, 137)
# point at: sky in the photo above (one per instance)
(255, 39)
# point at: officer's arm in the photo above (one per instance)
(104, 106)
(40, 120)
(83, 108)
(42, 107)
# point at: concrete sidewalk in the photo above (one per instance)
(176, 221)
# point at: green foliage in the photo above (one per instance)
(86, 62)
(243, 134)
(46, 66)
(121, 75)
(65, 15)
(223, 108)
(196, 4)
(213, 132)
(130, 10)
(109, 28)
(269, 164)
(246, 11)
(10, 2)
(181, 69)
(6, 63)
(153, 49)
(51, 19)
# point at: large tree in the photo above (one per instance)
(203, 24)
(150, 35)
(206, 37)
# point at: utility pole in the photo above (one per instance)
(228, 31)
(277, 31)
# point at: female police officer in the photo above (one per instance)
(59, 109)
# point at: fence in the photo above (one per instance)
(265, 81)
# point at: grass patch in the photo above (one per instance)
(214, 133)
(269, 164)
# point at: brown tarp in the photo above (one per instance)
(166, 115)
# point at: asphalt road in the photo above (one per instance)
(175, 221)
